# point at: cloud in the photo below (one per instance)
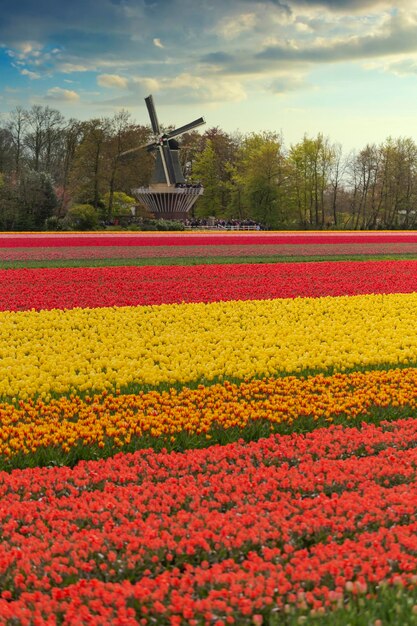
(352, 38)
(25, 50)
(29, 74)
(112, 81)
(70, 68)
(149, 84)
(225, 49)
(285, 83)
(62, 95)
(192, 88)
(350, 6)
(235, 25)
(397, 35)
(405, 67)
(184, 89)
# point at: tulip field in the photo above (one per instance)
(208, 429)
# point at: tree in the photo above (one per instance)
(225, 148)
(191, 144)
(123, 174)
(337, 172)
(122, 204)
(37, 200)
(83, 217)
(259, 180)
(70, 138)
(399, 202)
(44, 126)
(88, 177)
(6, 151)
(311, 162)
(365, 179)
(206, 169)
(16, 126)
(9, 205)
(97, 168)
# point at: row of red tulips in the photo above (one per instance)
(201, 239)
(216, 535)
(130, 286)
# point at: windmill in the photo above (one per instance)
(168, 194)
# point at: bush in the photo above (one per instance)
(83, 217)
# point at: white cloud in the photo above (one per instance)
(29, 74)
(62, 95)
(25, 50)
(302, 27)
(236, 25)
(208, 89)
(287, 82)
(157, 42)
(68, 68)
(150, 84)
(112, 80)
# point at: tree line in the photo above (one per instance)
(66, 173)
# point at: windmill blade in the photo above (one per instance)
(167, 157)
(186, 127)
(164, 164)
(152, 114)
(148, 146)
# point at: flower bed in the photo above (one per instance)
(80, 350)
(216, 535)
(108, 422)
(29, 240)
(64, 288)
(249, 250)
(302, 375)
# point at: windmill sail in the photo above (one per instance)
(186, 127)
(167, 169)
(152, 114)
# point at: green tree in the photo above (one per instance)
(399, 184)
(6, 151)
(88, 172)
(225, 148)
(207, 170)
(122, 204)
(83, 217)
(125, 173)
(9, 205)
(311, 161)
(259, 181)
(97, 168)
(37, 200)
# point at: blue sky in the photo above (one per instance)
(347, 69)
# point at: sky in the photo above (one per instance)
(343, 68)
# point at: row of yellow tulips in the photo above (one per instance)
(82, 349)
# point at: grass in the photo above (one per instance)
(160, 261)
(383, 606)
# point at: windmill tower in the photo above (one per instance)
(168, 196)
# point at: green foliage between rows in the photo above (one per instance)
(197, 260)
